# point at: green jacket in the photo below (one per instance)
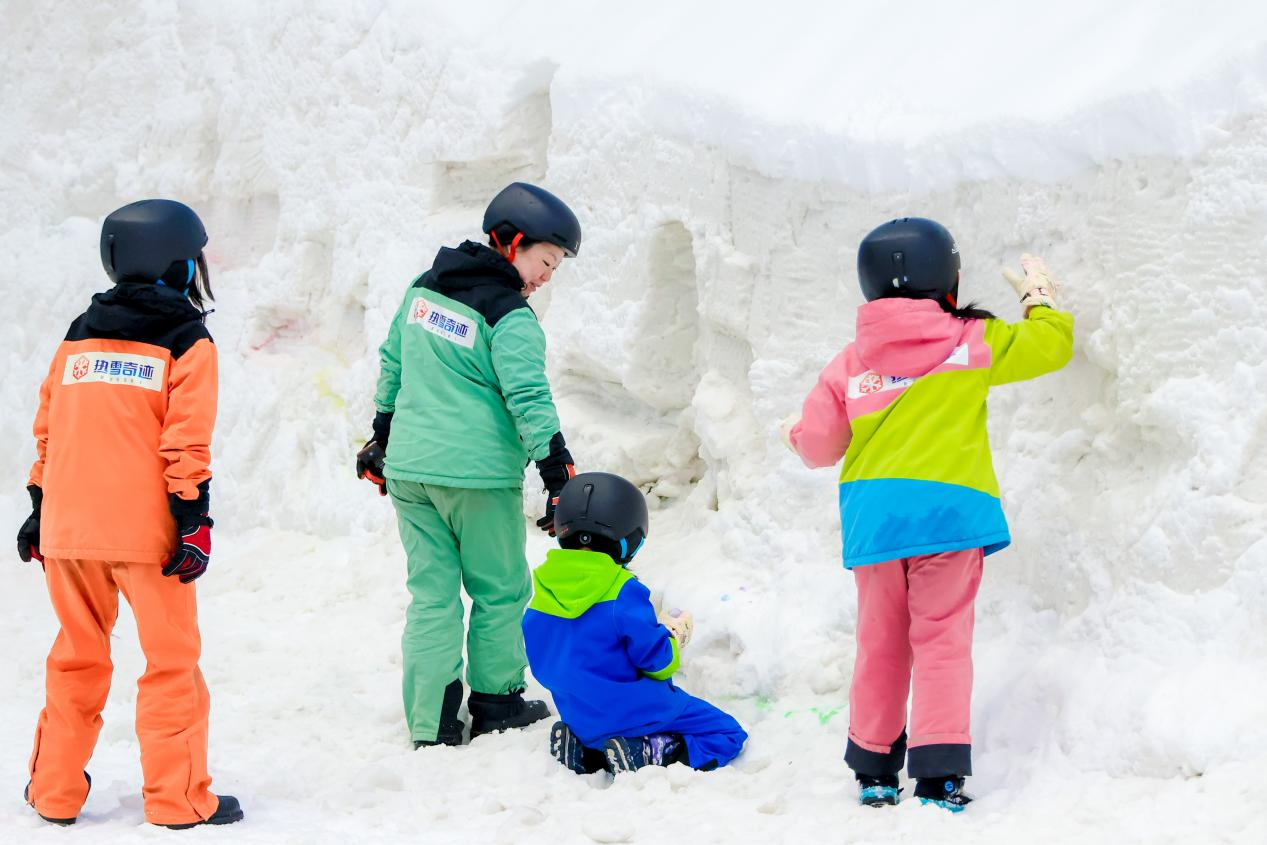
(463, 371)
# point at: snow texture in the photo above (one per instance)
(725, 162)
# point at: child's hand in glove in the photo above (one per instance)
(1036, 287)
(680, 624)
(785, 431)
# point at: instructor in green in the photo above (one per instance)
(463, 405)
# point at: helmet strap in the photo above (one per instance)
(508, 252)
(950, 297)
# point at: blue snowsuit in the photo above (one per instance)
(594, 642)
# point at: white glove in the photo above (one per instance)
(785, 430)
(680, 624)
(1037, 286)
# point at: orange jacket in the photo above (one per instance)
(125, 418)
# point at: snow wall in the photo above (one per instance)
(332, 150)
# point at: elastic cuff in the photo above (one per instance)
(927, 761)
(186, 511)
(559, 455)
(874, 763)
(667, 672)
(383, 427)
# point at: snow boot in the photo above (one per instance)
(631, 753)
(946, 792)
(26, 796)
(570, 752)
(450, 732)
(878, 791)
(228, 812)
(494, 713)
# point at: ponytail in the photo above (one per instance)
(971, 311)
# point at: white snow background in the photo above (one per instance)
(725, 159)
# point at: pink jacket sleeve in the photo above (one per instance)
(823, 434)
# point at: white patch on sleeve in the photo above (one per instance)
(442, 322)
(115, 368)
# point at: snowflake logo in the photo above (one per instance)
(871, 383)
(81, 367)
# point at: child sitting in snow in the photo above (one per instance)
(905, 405)
(594, 641)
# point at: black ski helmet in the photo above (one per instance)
(912, 257)
(141, 240)
(601, 505)
(537, 213)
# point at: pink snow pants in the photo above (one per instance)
(915, 618)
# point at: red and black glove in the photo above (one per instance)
(372, 458)
(193, 527)
(29, 533)
(556, 469)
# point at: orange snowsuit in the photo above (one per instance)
(125, 418)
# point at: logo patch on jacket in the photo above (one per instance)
(443, 323)
(114, 368)
(870, 382)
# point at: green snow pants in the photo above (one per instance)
(454, 537)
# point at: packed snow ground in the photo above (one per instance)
(725, 167)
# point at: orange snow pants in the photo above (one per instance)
(171, 700)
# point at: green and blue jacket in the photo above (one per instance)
(594, 642)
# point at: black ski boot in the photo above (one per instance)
(631, 753)
(568, 750)
(946, 792)
(228, 812)
(26, 796)
(450, 732)
(493, 713)
(878, 791)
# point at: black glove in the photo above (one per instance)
(193, 525)
(373, 455)
(555, 468)
(29, 533)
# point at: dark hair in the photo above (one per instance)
(584, 539)
(971, 311)
(200, 291)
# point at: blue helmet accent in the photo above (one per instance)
(189, 277)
